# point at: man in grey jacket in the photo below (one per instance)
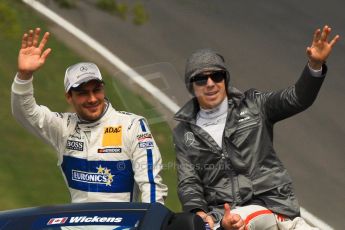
(224, 143)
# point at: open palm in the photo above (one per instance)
(32, 55)
(320, 48)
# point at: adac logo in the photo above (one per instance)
(112, 129)
(102, 176)
(112, 136)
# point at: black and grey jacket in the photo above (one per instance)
(246, 170)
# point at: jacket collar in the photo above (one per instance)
(189, 111)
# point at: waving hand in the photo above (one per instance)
(320, 48)
(32, 54)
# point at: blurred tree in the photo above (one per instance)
(9, 25)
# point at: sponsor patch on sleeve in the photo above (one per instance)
(146, 144)
(144, 136)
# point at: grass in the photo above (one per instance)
(29, 175)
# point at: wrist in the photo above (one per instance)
(315, 65)
(24, 75)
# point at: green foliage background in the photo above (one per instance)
(29, 175)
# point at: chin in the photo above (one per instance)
(91, 117)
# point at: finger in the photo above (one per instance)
(24, 41)
(317, 35)
(45, 54)
(36, 36)
(326, 30)
(308, 50)
(227, 208)
(237, 222)
(235, 218)
(210, 222)
(242, 228)
(29, 42)
(44, 40)
(334, 40)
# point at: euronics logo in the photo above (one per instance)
(84, 219)
(102, 176)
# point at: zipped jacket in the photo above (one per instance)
(112, 159)
(246, 170)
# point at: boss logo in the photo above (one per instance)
(75, 145)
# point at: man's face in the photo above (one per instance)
(209, 93)
(88, 100)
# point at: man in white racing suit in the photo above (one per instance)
(104, 154)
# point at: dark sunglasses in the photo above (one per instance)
(201, 79)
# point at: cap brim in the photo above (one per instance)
(84, 80)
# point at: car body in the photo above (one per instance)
(102, 215)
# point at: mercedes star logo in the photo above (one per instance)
(189, 138)
(83, 68)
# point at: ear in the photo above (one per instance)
(68, 97)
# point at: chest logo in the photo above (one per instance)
(75, 145)
(112, 136)
(189, 139)
(102, 176)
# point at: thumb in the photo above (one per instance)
(227, 209)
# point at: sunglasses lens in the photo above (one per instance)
(218, 76)
(201, 79)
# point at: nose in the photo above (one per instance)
(92, 97)
(210, 82)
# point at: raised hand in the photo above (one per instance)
(320, 47)
(32, 54)
(232, 221)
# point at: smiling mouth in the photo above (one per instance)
(92, 107)
(211, 93)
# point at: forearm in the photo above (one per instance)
(308, 86)
(296, 98)
(39, 120)
(151, 184)
(147, 163)
(191, 197)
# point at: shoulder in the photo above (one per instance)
(253, 93)
(256, 96)
(131, 120)
(68, 119)
(127, 116)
